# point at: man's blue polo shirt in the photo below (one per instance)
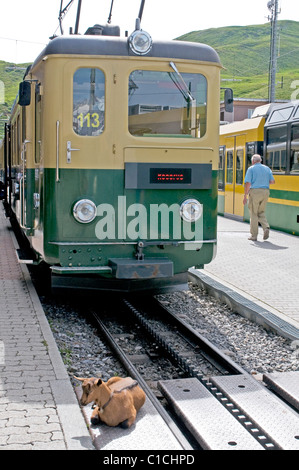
(259, 176)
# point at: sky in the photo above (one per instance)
(26, 25)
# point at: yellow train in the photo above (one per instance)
(274, 134)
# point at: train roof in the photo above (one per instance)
(274, 114)
(245, 125)
(116, 46)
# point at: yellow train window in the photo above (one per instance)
(88, 101)
(229, 167)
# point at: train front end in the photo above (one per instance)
(129, 138)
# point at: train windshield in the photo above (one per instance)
(161, 106)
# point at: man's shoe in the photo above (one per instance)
(254, 239)
(266, 234)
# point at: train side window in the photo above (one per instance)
(239, 166)
(250, 151)
(88, 101)
(162, 105)
(282, 114)
(276, 149)
(229, 166)
(294, 167)
(221, 167)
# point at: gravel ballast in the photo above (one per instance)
(255, 349)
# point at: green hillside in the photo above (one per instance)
(245, 51)
(10, 77)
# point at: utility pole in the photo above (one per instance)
(273, 7)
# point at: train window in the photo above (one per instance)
(294, 167)
(281, 114)
(229, 166)
(88, 101)
(221, 168)
(296, 115)
(161, 106)
(250, 151)
(239, 166)
(276, 149)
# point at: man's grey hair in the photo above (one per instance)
(256, 158)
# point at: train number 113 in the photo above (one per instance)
(91, 120)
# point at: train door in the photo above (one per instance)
(85, 160)
(37, 176)
(84, 123)
(27, 173)
(23, 170)
(234, 178)
(7, 163)
(229, 177)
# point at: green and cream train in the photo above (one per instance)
(273, 132)
(110, 160)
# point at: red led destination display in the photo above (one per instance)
(170, 175)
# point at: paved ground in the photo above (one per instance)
(267, 272)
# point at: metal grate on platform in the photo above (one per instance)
(277, 420)
(212, 425)
(286, 385)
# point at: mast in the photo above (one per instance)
(273, 7)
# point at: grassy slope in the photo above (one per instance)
(244, 52)
(10, 75)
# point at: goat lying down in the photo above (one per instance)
(117, 400)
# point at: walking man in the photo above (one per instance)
(257, 180)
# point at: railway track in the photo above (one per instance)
(203, 375)
(220, 414)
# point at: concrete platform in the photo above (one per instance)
(259, 279)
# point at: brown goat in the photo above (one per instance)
(117, 400)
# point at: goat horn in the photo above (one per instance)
(79, 378)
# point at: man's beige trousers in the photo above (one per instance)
(257, 206)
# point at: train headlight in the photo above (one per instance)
(191, 210)
(140, 42)
(84, 211)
